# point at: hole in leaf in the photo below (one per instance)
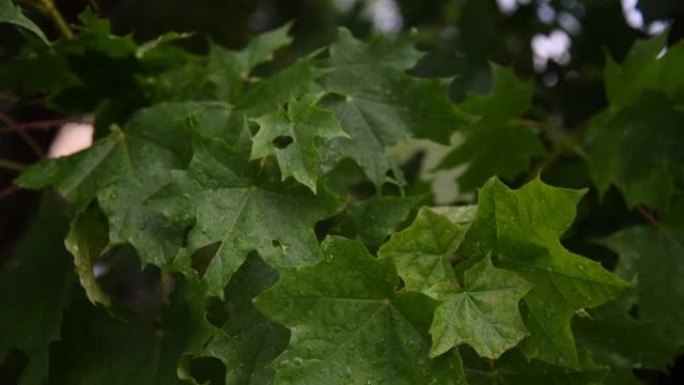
(208, 370)
(202, 258)
(282, 141)
(217, 311)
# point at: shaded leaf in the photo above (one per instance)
(348, 325)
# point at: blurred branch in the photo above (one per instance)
(11, 165)
(13, 126)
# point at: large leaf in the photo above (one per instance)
(290, 134)
(641, 148)
(495, 144)
(483, 313)
(35, 285)
(244, 207)
(125, 168)
(379, 105)
(10, 13)
(349, 326)
(521, 229)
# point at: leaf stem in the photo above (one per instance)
(11, 165)
(48, 8)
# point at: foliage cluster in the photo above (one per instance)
(283, 241)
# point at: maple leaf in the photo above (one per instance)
(349, 326)
(495, 143)
(290, 133)
(36, 284)
(378, 104)
(654, 259)
(521, 229)
(248, 341)
(483, 313)
(421, 251)
(128, 166)
(229, 70)
(242, 207)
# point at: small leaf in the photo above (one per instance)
(291, 135)
(421, 251)
(86, 240)
(10, 13)
(484, 313)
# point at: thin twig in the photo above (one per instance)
(11, 165)
(4, 193)
(48, 123)
(650, 218)
(48, 8)
(28, 139)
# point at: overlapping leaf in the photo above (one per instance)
(350, 327)
(638, 142)
(522, 229)
(422, 251)
(291, 135)
(243, 207)
(483, 313)
(142, 349)
(378, 105)
(35, 286)
(656, 260)
(495, 143)
(122, 170)
(249, 341)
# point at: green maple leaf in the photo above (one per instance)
(484, 313)
(248, 341)
(514, 369)
(640, 147)
(654, 258)
(378, 104)
(645, 69)
(229, 70)
(36, 284)
(637, 142)
(349, 326)
(522, 228)
(242, 207)
(495, 144)
(10, 13)
(422, 251)
(125, 168)
(291, 132)
(145, 348)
